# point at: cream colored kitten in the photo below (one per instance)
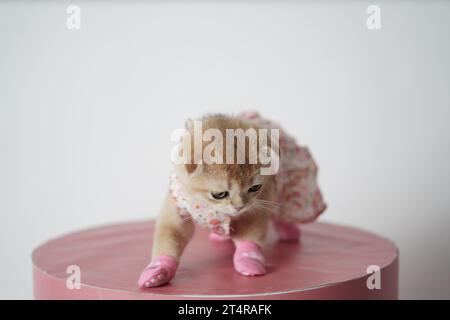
(235, 201)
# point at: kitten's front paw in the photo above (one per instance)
(248, 259)
(160, 271)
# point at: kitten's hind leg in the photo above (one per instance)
(286, 231)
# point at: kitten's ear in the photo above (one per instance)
(193, 168)
(190, 167)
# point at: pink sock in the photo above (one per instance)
(160, 271)
(248, 259)
(218, 238)
(287, 231)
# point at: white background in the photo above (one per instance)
(86, 116)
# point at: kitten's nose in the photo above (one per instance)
(238, 208)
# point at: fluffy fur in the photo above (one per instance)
(249, 211)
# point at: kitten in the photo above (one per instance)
(234, 200)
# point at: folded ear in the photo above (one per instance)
(194, 169)
(190, 167)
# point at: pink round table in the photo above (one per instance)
(330, 262)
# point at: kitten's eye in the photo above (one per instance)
(255, 188)
(219, 195)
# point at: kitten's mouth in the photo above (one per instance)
(247, 208)
(240, 211)
(235, 213)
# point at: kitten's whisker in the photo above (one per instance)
(268, 207)
(271, 203)
(265, 208)
(268, 201)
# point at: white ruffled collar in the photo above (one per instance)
(201, 212)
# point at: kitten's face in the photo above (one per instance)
(225, 192)
(230, 189)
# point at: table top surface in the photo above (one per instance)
(112, 257)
